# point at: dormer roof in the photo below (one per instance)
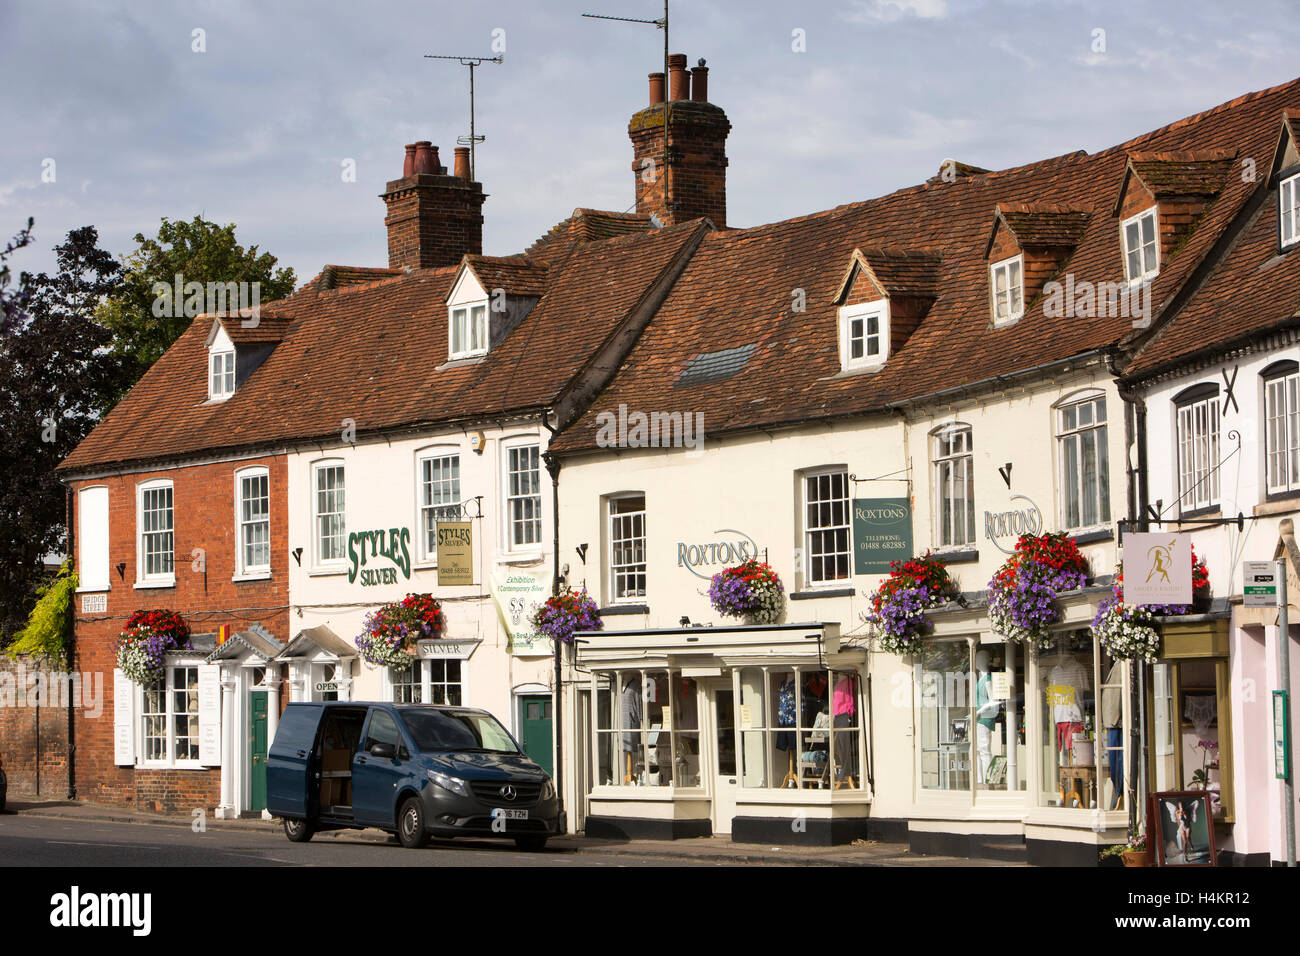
(1177, 175)
(517, 275)
(1043, 225)
(894, 271)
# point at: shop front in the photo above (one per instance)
(1019, 746)
(754, 732)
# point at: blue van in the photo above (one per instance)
(414, 770)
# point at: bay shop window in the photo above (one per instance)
(996, 717)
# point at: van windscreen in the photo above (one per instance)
(440, 730)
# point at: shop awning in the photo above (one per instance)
(255, 642)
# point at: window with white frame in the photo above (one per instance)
(1006, 280)
(1282, 427)
(92, 539)
(330, 517)
(1197, 411)
(469, 331)
(864, 335)
(827, 541)
(1288, 210)
(170, 717)
(221, 366)
(1141, 248)
(436, 681)
(155, 522)
(1082, 457)
(523, 497)
(439, 497)
(253, 515)
(627, 554)
(954, 486)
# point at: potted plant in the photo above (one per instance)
(143, 644)
(897, 613)
(1136, 852)
(751, 591)
(1023, 592)
(565, 613)
(390, 632)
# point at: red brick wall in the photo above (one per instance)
(696, 182)
(204, 508)
(33, 739)
(433, 221)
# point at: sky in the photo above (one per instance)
(118, 114)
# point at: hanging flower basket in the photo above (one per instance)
(1024, 591)
(897, 615)
(145, 640)
(751, 591)
(1126, 632)
(565, 613)
(389, 633)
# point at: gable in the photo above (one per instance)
(466, 288)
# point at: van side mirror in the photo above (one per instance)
(383, 750)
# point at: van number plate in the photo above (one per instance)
(502, 814)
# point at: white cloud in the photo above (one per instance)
(887, 11)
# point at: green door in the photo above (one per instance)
(537, 729)
(257, 751)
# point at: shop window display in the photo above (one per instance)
(1065, 674)
(647, 729)
(1186, 716)
(945, 712)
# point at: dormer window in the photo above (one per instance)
(864, 335)
(1288, 209)
(221, 382)
(1006, 279)
(469, 332)
(1141, 251)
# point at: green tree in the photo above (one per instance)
(195, 251)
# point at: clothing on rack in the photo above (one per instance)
(844, 700)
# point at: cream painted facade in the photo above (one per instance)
(382, 491)
(750, 488)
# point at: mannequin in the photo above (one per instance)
(1066, 682)
(844, 706)
(630, 704)
(1112, 715)
(986, 712)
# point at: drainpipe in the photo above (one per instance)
(557, 711)
(72, 651)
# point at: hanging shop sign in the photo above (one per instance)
(327, 686)
(1157, 569)
(455, 541)
(386, 544)
(517, 595)
(706, 557)
(445, 649)
(1004, 528)
(882, 532)
(1258, 583)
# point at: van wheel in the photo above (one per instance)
(531, 844)
(299, 831)
(410, 824)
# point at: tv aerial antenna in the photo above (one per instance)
(473, 139)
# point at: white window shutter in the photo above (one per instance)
(210, 715)
(123, 720)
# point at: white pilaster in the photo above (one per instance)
(228, 719)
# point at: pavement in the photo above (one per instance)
(714, 850)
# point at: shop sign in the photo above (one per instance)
(720, 553)
(1259, 584)
(517, 595)
(1000, 685)
(327, 686)
(882, 532)
(455, 553)
(1004, 528)
(392, 544)
(444, 649)
(1157, 569)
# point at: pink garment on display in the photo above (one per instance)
(1065, 731)
(842, 702)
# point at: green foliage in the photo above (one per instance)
(49, 628)
(199, 251)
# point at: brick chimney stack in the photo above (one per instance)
(695, 182)
(433, 218)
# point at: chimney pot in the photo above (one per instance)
(426, 157)
(700, 83)
(656, 89)
(408, 164)
(462, 163)
(679, 81)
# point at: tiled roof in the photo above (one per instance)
(1176, 173)
(265, 327)
(587, 225)
(369, 352)
(518, 275)
(900, 271)
(1044, 224)
(738, 287)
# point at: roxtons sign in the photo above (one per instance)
(725, 552)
